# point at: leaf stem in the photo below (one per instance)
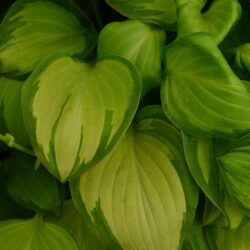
(9, 140)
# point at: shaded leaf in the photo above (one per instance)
(34, 234)
(159, 12)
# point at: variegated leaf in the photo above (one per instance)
(159, 12)
(140, 196)
(201, 157)
(33, 29)
(200, 94)
(235, 167)
(76, 112)
(217, 21)
(143, 48)
(34, 234)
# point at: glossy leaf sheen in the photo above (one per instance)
(141, 194)
(200, 94)
(34, 234)
(33, 29)
(75, 112)
(143, 47)
(159, 12)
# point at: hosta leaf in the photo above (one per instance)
(221, 239)
(33, 29)
(34, 234)
(74, 222)
(242, 59)
(159, 12)
(140, 196)
(11, 119)
(235, 167)
(203, 167)
(200, 93)
(201, 158)
(217, 21)
(75, 112)
(34, 189)
(143, 47)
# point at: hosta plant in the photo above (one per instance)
(124, 125)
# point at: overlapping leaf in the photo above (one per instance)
(33, 29)
(76, 112)
(141, 195)
(11, 119)
(74, 222)
(200, 93)
(220, 238)
(143, 47)
(159, 12)
(34, 189)
(216, 21)
(201, 157)
(34, 234)
(235, 167)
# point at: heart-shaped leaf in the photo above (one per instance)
(33, 29)
(34, 189)
(34, 234)
(217, 20)
(11, 118)
(235, 167)
(143, 48)
(140, 196)
(76, 112)
(200, 93)
(159, 12)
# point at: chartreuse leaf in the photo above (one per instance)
(74, 222)
(34, 234)
(140, 196)
(217, 20)
(234, 164)
(11, 119)
(143, 47)
(200, 93)
(159, 12)
(76, 112)
(33, 29)
(202, 162)
(196, 239)
(220, 238)
(34, 189)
